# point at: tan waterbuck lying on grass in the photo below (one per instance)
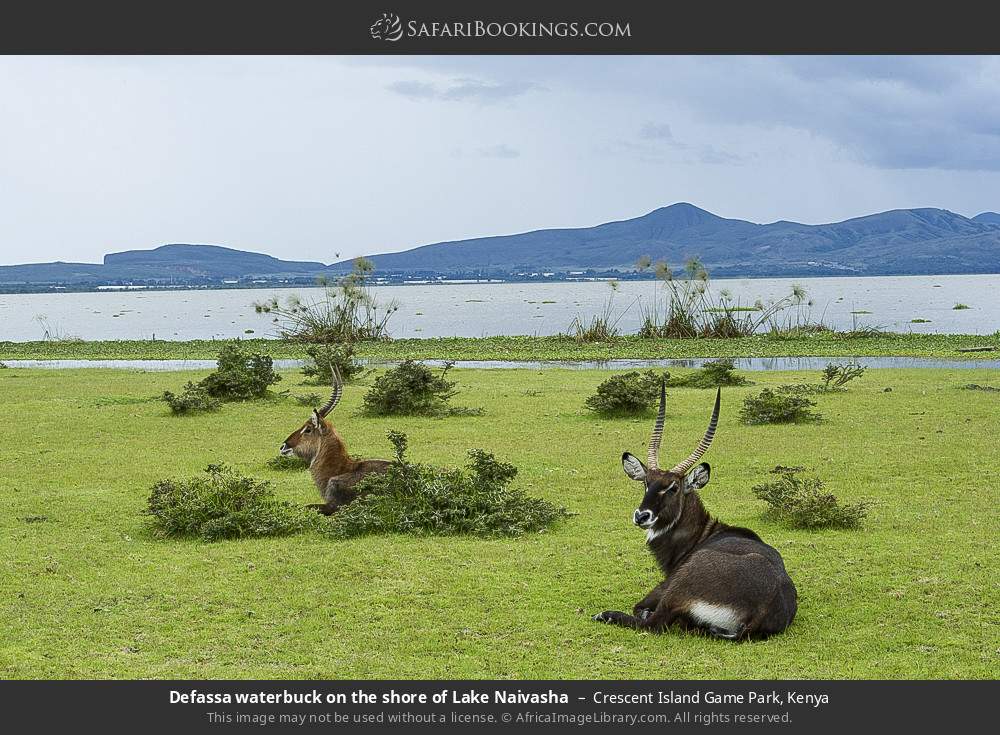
(720, 579)
(334, 471)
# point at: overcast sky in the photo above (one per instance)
(307, 157)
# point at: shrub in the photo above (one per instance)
(628, 394)
(601, 327)
(309, 399)
(348, 311)
(323, 358)
(770, 407)
(688, 309)
(281, 463)
(423, 500)
(835, 377)
(712, 374)
(223, 504)
(802, 503)
(411, 389)
(986, 388)
(193, 398)
(240, 376)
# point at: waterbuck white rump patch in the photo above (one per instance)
(709, 614)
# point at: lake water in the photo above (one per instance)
(476, 310)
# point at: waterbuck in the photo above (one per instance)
(720, 579)
(334, 471)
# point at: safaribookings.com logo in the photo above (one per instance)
(387, 28)
(390, 28)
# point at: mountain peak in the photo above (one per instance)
(681, 214)
(987, 218)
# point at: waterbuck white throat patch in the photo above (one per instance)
(654, 533)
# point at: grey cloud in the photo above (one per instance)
(461, 90)
(501, 150)
(656, 131)
(656, 140)
(887, 112)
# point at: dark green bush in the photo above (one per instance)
(223, 504)
(412, 389)
(629, 394)
(240, 376)
(712, 374)
(309, 399)
(802, 503)
(193, 398)
(420, 499)
(281, 463)
(771, 407)
(322, 358)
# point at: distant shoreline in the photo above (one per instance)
(11, 289)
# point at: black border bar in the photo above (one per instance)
(798, 706)
(655, 27)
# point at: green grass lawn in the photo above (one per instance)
(824, 344)
(86, 591)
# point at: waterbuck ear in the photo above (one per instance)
(633, 467)
(697, 478)
(317, 422)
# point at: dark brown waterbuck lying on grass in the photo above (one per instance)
(334, 471)
(720, 579)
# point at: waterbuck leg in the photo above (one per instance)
(340, 489)
(645, 607)
(614, 617)
(660, 619)
(326, 509)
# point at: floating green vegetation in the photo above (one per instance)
(920, 321)
(960, 306)
(791, 343)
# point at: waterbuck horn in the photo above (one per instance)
(705, 443)
(338, 391)
(654, 441)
